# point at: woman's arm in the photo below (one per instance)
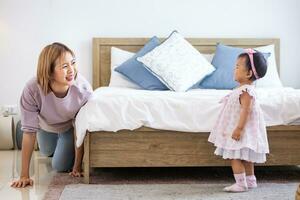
(28, 142)
(77, 170)
(87, 92)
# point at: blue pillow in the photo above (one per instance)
(137, 73)
(224, 62)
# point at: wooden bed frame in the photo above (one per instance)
(146, 147)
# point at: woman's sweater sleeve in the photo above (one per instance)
(29, 109)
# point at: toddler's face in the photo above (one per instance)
(241, 73)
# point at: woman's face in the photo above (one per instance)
(64, 70)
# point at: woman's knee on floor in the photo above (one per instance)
(61, 166)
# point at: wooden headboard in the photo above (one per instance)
(102, 46)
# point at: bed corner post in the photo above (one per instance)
(86, 169)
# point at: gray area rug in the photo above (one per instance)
(175, 192)
(281, 179)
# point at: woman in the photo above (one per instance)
(49, 104)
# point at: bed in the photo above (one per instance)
(148, 147)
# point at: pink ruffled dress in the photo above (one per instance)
(253, 145)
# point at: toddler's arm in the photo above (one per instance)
(245, 101)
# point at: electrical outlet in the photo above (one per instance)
(9, 110)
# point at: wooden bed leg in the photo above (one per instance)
(86, 169)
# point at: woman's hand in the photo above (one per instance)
(76, 172)
(27, 148)
(22, 182)
(237, 134)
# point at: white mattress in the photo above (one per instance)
(113, 109)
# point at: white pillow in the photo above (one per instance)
(177, 63)
(119, 56)
(209, 57)
(271, 79)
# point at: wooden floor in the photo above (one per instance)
(40, 171)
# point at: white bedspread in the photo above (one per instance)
(113, 109)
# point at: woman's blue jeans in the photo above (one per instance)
(60, 146)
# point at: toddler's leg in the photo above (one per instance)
(239, 176)
(250, 176)
(237, 166)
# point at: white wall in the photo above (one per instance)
(26, 26)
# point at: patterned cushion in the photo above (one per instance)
(177, 63)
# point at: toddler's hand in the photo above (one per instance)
(236, 135)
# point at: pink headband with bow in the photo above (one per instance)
(250, 52)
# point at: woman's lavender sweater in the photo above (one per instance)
(49, 112)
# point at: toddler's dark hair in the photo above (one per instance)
(260, 64)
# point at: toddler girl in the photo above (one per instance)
(240, 132)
